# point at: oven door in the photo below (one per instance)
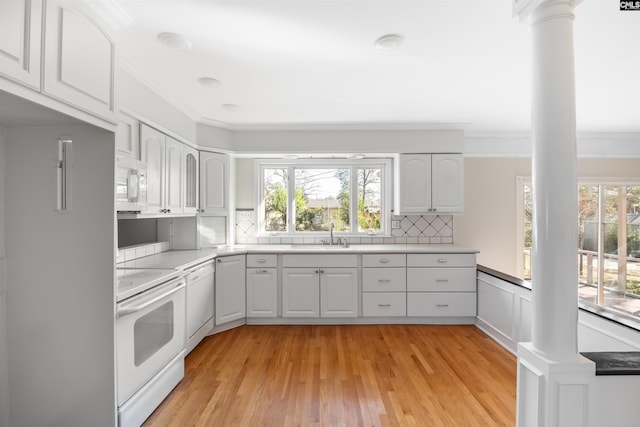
(150, 333)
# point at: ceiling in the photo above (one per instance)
(297, 63)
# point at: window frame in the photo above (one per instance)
(603, 310)
(386, 196)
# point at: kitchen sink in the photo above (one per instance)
(318, 247)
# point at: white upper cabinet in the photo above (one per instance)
(152, 144)
(191, 179)
(20, 41)
(429, 183)
(79, 59)
(414, 184)
(214, 182)
(447, 190)
(128, 137)
(175, 176)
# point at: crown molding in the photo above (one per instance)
(337, 126)
(110, 12)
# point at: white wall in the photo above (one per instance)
(214, 137)
(60, 275)
(489, 220)
(349, 141)
(4, 355)
(137, 99)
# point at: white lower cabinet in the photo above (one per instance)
(262, 292)
(384, 304)
(320, 285)
(441, 285)
(300, 292)
(384, 285)
(441, 304)
(339, 292)
(230, 289)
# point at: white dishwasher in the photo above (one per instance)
(200, 291)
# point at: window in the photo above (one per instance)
(307, 196)
(608, 243)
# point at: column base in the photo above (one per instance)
(552, 393)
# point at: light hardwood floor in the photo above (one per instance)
(348, 375)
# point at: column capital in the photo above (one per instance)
(525, 9)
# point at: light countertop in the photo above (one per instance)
(185, 259)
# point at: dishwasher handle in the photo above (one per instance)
(134, 308)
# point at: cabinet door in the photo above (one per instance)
(79, 58)
(447, 183)
(300, 292)
(214, 182)
(20, 38)
(262, 292)
(339, 292)
(191, 178)
(152, 144)
(230, 289)
(175, 176)
(413, 184)
(128, 137)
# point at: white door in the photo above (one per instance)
(20, 40)
(152, 144)
(447, 182)
(413, 184)
(300, 292)
(339, 292)
(214, 182)
(262, 292)
(191, 178)
(175, 176)
(230, 288)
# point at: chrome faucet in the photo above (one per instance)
(331, 232)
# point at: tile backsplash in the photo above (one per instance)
(138, 251)
(414, 229)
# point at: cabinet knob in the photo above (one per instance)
(442, 260)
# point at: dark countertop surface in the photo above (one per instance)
(615, 362)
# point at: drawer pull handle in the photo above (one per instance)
(384, 280)
(384, 305)
(442, 260)
(442, 305)
(442, 280)
(262, 271)
(384, 261)
(261, 260)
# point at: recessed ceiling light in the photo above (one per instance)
(209, 82)
(389, 42)
(231, 107)
(175, 41)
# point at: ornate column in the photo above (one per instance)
(553, 379)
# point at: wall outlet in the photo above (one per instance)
(395, 224)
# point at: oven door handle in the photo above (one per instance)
(130, 309)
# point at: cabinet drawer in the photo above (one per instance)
(441, 260)
(387, 304)
(441, 304)
(384, 260)
(257, 260)
(345, 260)
(441, 279)
(384, 279)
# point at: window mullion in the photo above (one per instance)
(291, 194)
(353, 214)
